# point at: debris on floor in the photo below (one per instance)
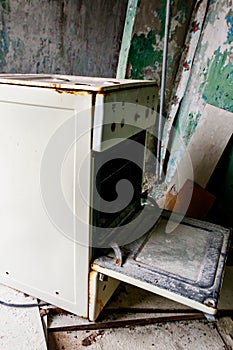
(134, 318)
(120, 325)
(92, 338)
(191, 335)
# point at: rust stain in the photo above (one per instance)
(98, 301)
(100, 304)
(89, 297)
(118, 262)
(91, 276)
(93, 266)
(70, 92)
(84, 316)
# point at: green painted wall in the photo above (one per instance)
(145, 56)
(218, 89)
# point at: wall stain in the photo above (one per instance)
(145, 56)
(212, 13)
(5, 6)
(4, 40)
(219, 86)
(193, 119)
(4, 48)
(229, 19)
(66, 36)
(162, 17)
(142, 54)
(62, 25)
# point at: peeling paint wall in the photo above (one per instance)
(219, 86)
(83, 37)
(67, 36)
(211, 82)
(145, 56)
(211, 79)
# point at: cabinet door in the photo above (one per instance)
(39, 254)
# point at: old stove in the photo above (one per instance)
(73, 223)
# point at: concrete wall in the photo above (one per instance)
(79, 37)
(83, 37)
(212, 73)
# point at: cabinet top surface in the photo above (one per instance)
(72, 82)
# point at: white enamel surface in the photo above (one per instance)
(35, 256)
(122, 114)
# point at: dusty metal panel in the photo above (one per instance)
(185, 265)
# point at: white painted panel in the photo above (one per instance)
(35, 256)
(122, 114)
(33, 245)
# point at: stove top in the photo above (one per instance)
(72, 82)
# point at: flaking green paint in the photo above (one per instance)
(219, 87)
(3, 47)
(229, 19)
(182, 6)
(162, 17)
(181, 17)
(193, 119)
(142, 54)
(212, 14)
(5, 6)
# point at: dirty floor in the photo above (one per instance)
(191, 335)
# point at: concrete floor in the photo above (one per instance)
(190, 335)
(22, 328)
(182, 335)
